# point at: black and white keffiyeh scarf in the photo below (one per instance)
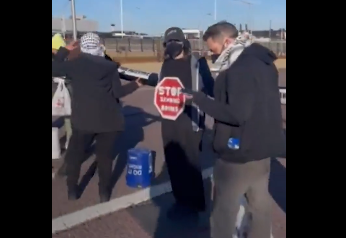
(90, 44)
(229, 55)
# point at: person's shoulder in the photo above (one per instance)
(248, 60)
(242, 68)
(245, 65)
(99, 60)
(98, 65)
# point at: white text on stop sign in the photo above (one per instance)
(165, 108)
(169, 91)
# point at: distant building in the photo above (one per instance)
(190, 34)
(128, 34)
(63, 25)
(274, 34)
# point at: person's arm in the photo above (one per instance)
(61, 54)
(153, 80)
(119, 90)
(241, 97)
(61, 67)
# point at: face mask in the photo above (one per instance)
(214, 57)
(173, 49)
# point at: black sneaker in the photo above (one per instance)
(104, 198)
(105, 195)
(73, 193)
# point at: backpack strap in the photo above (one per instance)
(195, 73)
(196, 86)
(159, 76)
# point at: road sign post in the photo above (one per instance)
(168, 99)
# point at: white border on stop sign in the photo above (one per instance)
(156, 92)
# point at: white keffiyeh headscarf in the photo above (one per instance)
(90, 44)
(229, 55)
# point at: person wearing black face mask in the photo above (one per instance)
(182, 137)
(173, 48)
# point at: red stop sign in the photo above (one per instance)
(168, 99)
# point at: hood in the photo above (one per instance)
(57, 42)
(260, 52)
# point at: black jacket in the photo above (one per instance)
(247, 107)
(96, 91)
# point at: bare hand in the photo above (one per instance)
(139, 83)
(72, 45)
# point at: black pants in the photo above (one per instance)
(80, 141)
(181, 148)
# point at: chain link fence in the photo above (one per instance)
(155, 45)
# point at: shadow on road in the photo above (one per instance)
(133, 134)
(184, 228)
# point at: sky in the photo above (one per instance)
(155, 16)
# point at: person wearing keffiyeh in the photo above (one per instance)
(247, 129)
(229, 55)
(96, 112)
(90, 44)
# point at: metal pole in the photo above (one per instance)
(63, 26)
(251, 23)
(270, 29)
(214, 10)
(249, 19)
(121, 19)
(74, 25)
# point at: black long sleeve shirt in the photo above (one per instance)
(96, 91)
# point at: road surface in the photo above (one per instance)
(145, 220)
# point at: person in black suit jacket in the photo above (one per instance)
(96, 112)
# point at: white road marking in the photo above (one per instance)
(73, 219)
(76, 218)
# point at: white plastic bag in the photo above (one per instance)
(61, 102)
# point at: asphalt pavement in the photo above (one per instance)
(138, 219)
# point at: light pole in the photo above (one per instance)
(112, 27)
(138, 9)
(270, 29)
(63, 26)
(215, 10)
(121, 19)
(249, 17)
(74, 25)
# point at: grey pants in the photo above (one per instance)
(231, 182)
